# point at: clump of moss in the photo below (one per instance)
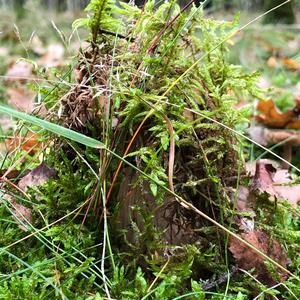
(155, 87)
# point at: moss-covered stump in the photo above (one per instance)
(136, 93)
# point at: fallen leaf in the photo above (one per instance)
(274, 118)
(29, 143)
(276, 183)
(21, 214)
(19, 71)
(37, 176)
(293, 45)
(12, 174)
(287, 138)
(248, 259)
(244, 201)
(21, 98)
(251, 165)
(291, 64)
(54, 56)
(296, 90)
(257, 134)
(278, 136)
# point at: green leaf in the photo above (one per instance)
(56, 129)
(153, 188)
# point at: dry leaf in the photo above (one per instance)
(28, 143)
(248, 259)
(188, 115)
(9, 174)
(244, 201)
(21, 98)
(273, 117)
(265, 137)
(274, 182)
(291, 64)
(19, 71)
(21, 214)
(37, 176)
(6, 123)
(54, 57)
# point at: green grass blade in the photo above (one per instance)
(57, 129)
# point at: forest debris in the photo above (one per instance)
(9, 174)
(287, 138)
(291, 64)
(21, 214)
(29, 143)
(19, 71)
(272, 117)
(248, 259)
(37, 176)
(21, 98)
(274, 182)
(54, 56)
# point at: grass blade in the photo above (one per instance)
(57, 129)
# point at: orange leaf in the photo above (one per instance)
(291, 64)
(274, 118)
(28, 143)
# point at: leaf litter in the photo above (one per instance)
(36, 177)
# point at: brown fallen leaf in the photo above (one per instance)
(244, 202)
(9, 174)
(287, 138)
(19, 71)
(21, 214)
(248, 259)
(37, 176)
(291, 64)
(54, 56)
(29, 143)
(271, 116)
(21, 98)
(274, 182)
